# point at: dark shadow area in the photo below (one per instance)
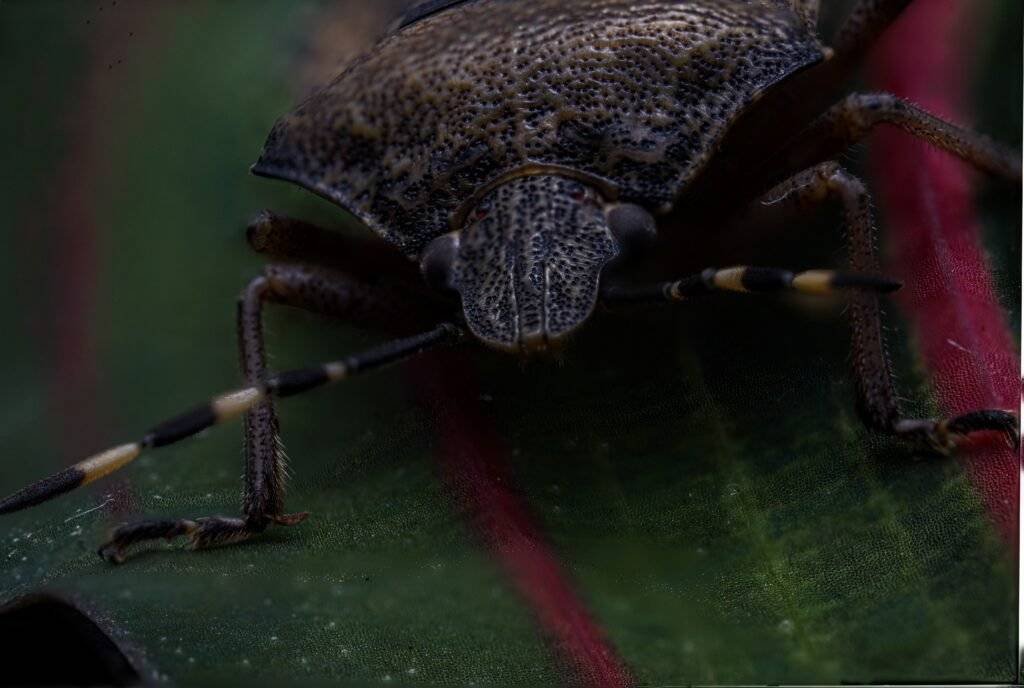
(77, 651)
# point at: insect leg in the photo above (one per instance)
(315, 289)
(288, 239)
(318, 290)
(311, 288)
(264, 463)
(284, 238)
(849, 121)
(872, 366)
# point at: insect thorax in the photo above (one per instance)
(636, 92)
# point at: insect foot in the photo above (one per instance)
(944, 435)
(209, 531)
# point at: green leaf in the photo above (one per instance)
(700, 473)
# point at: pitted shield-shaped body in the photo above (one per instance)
(637, 93)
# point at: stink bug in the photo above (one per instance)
(520, 154)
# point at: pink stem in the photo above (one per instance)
(76, 381)
(949, 298)
(475, 467)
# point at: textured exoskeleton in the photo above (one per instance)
(517, 149)
(434, 131)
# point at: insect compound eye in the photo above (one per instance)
(481, 212)
(632, 226)
(437, 260)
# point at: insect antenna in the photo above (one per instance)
(218, 410)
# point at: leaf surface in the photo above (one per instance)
(700, 475)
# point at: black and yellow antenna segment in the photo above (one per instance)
(220, 409)
(748, 279)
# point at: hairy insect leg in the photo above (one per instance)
(209, 531)
(872, 365)
(315, 289)
(291, 240)
(264, 469)
(285, 238)
(855, 116)
(312, 289)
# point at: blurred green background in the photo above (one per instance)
(716, 501)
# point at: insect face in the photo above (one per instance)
(527, 261)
